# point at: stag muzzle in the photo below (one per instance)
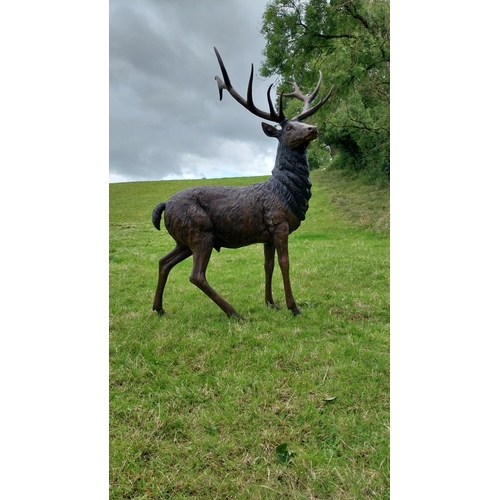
(297, 133)
(312, 133)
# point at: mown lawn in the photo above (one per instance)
(202, 406)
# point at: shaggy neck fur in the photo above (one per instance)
(290, 179)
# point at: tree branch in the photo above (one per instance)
(331, 37)
(351, 10)
(362, 125)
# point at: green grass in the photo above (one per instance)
(199, 404)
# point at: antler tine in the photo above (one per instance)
(307, 100)
(305, 114)
(281, 116)
(316, 90)
(296, 93)
(248, 102)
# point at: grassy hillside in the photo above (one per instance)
(274, 407)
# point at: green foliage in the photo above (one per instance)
(202, 406)
(283, 454)
(349, 42)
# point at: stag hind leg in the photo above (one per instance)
(166, 263)
(201, 257)
(269, 251)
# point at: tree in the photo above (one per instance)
(349, 41)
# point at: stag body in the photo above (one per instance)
(202, 218)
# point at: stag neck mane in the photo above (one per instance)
(290, 178)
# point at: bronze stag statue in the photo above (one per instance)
(200, 219)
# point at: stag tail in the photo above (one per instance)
(156, 217)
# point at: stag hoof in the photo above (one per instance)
(236, 315)
(296, 312)
(274, 306)
(160, 311)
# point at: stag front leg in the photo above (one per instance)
(281, 233)
(166, 263)
(201, 257)
(269, 250)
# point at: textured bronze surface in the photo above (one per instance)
(202, 218)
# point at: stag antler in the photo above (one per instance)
(272, 115)
(307, 110)
(248, 102)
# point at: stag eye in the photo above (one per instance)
(289, 128)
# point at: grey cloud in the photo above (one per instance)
(166, 120)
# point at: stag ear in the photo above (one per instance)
(269, 130)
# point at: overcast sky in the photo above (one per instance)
(166, 120)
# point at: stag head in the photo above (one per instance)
(293, 132)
